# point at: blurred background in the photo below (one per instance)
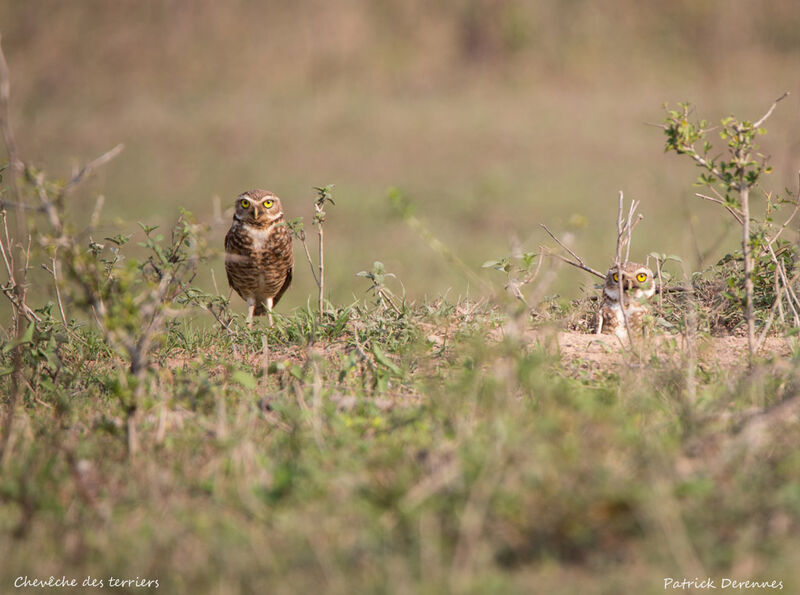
(492, 116)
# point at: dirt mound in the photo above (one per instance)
(608, 350)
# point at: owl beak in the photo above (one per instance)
(627, 284)
(255, 212)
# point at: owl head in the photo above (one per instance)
(636, 281)
(258, 208)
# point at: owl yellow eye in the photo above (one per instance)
(616, 277)
(245, 203)
(268, 204)
(641, 277)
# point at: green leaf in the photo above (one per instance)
(119, 239)
(384, 360)
(296, 372)
(246, 379)
(27, 337)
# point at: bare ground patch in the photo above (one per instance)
(607, 352)
(726, 352)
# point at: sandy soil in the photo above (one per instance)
(606, 350)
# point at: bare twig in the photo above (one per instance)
(578, 262)
(214, 282)
(781, 313)
(17, 273)
(22, 308)
(618, 256)
(87, 169)
(15, 164)
(692, 152)
(625, 227)
(791, 216)
(770, 110)
(628, 230)
(321, 265)
(660, 285)
(775, 305)
(735, 212)
(583, 267)
(302, 237)
(560, 243)
(747, 252)
(94, 220)
(47, 205)
(8, 259)
(385, 295)
(781, 271)
(631, 226)
(323, 196)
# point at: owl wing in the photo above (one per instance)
(607, 320)
(282, 252)
(234, 252)
(286, 283)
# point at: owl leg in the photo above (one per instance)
(269, 310)
(251, 307)
(599, 323)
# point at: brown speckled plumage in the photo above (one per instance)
(637, 285)
(258, 251)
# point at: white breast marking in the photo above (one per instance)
(258, 236)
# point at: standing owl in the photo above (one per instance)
(258, 252)
(636, 281)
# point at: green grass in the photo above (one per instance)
(438, 443)
(362, 455)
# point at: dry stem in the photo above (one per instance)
(744, 196)
(578, 262)
(16, 271)
(321, 266)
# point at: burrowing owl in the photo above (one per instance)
(637, 285)
(258, 252)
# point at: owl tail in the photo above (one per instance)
(260, 310)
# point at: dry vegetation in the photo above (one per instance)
(379, 441)
(492, 115)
